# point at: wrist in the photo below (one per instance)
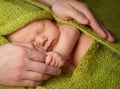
(62, 53)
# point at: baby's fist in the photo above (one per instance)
(55, 59)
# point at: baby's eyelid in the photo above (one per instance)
(39, 31)
(43, 28)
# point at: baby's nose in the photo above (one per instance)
(41, 40)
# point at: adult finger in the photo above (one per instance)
(111, 37)
(78, 16)
(70, 12)
(94, 24)
(30, 83)
(83, 8)
(43, 68)
(36, 55)
(35, 76)
(31, 52)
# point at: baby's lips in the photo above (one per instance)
(40, 49)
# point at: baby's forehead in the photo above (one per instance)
(48, 24)
(43, 26)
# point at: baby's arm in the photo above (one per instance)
(67, 40)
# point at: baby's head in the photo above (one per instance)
(43, 34)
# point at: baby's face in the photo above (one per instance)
(42, 34)
(47, 38)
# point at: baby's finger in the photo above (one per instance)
(56, 64)
(30, 83)
(49, 59)
(52, 63)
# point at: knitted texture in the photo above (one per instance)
(99, 68)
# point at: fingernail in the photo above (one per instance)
(112, 39)
(85, 21)
(103, 35)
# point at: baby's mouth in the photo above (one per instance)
(40, 49)
(44, 48)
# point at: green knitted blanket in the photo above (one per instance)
(99, 67)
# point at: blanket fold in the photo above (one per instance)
(99, 68)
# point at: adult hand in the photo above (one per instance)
(23, 66)
(79, 11)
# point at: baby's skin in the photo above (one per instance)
(60, 42)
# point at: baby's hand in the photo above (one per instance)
(55, 59)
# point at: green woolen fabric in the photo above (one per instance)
(99, 68)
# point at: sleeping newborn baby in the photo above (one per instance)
(60, 42)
